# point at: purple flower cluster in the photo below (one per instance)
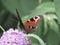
(14, 37)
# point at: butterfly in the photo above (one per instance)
(30, 25)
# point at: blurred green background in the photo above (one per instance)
(48, 29)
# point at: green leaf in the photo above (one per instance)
(45, 27)
(47, 0)
(52, 38)
(52, 24)
(53, 31)
(24, 6)
(41, 9)
(57, 6)
(33, 38)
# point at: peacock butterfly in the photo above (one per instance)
(30, 25)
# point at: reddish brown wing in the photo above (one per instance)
(31, 25)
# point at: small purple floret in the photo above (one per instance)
(14, 37)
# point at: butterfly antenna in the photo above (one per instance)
(20, 20)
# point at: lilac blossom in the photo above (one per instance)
(14, 37)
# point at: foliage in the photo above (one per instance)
(48, 28)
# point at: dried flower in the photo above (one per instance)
(14, 37)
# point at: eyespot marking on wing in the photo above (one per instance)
(33, 27)
(36, 17)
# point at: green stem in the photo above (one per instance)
(37, 37)
(2, 28)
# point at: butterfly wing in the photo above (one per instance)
(20, 20)
(31, 25)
